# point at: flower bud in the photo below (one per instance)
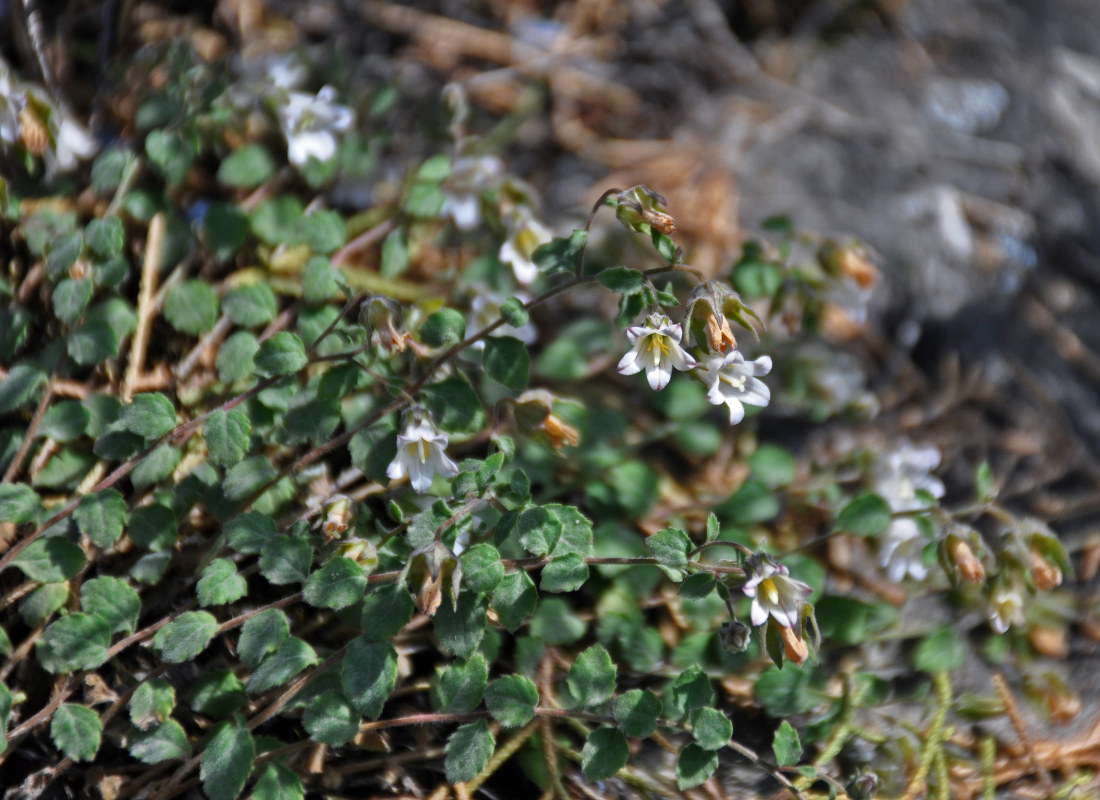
(534, 413)
(641, 205)
(361, 552)
(1045, 574)
(382, 318)
(339, 513)
(848, 260)
(863, 785)
(734, 636)
(961, 557)
(794, 646)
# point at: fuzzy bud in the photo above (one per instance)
(1044, 573)
(795, 648)
(961, 556)
(639, 206)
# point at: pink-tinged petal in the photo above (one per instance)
(628, 364)
(658, 375)
(682, 360)
(758, 615)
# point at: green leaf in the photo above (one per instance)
(324, 231)
(152, 703)
(461, 628)
(169, 154)
(226, 761)
(369, 674)
(227, 435)
(320, 280)
(866, 515)
(512, 700)
(78, 641)
(560, 255)
(605, 753)
(786, 746)
(514, 599)
(711, 728)
(217, 694)
(105, 237)
(637, 712)
(108, 169)
(70, 298)
(77, 731)
(622, 279)
(984, 485)
(670, 547)
(690, 689)
(385, 611)
(63, 253)
(591, 679)
(443, 328)
(555, 623)
(166, 742)
(943, 651)
(262, 634)
(278, 782)
(460, 687)
(469, 749)
(290, 657)
(698, 586)
(772, 466)
(101, 517)
(514, 312)
(565, 574)
(694, 765)
(282, 354)
(5, 709)
(538, 529)
(338, 584)
(186, 636)
(250, 532)
(481, 568)
(395, 254)
(156, 466)
(150, 415)
(424, 200)
(191, 307)
(19, 503)
(331, 720)
(113, 600)
(220, 583)
(250, 305)
(235, 361)
(64, 421)
(20, 387)
(507, 361)
(275, 220)
(286, 560)
(246, 168)
(152, 527)
(786, 692)
(104, 327)
(43, 602)
(65, 469)
(454, 405)
(225, 229)
(50, 560)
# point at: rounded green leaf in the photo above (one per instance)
(70, 298)
(262, 634)
(694, 765)
(711, 728)
(152, 527)
(250, 305)
(101, 516)
(330, 719)
(460, 687)
(186, 636)
(217, 694)
(235, 361)
(289, 658)
(19, 503)
(227, 435)
(565, 574)
(21, 387)
(250, 532)
(226, 761)
(622, 279)
(605, 753)
(507, 361)
(282, 354)
(369, 675)
(150, 415)
(338, 584)
(78, 641)
(246, 167)
(943, 651)
(152, 703)
(191, 307)
(220, 583)
(786, 745)
(105, 237)
(278, 782)
(637, 712)
(515, 599)
(77, 731)
(50, 560)
(385, 611)
(112, 599)
(512, 700)
(468, 751)
(591, 679)
(461, 627)
(867, 515)
(285, 560)
(482, 570)
(166, 742)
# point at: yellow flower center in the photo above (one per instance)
(658, 347)
(770, 590)
(420, 450)
(736, 381)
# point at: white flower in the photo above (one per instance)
(420, 453)
(901, 552)
(485, 310)
(732, 380)
(73, 144)
(12, 101)
(1006, 607)
(656, 349)
(462, 190)
(311, 123)
(526, 235)
(774, 593)
(904, 471)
